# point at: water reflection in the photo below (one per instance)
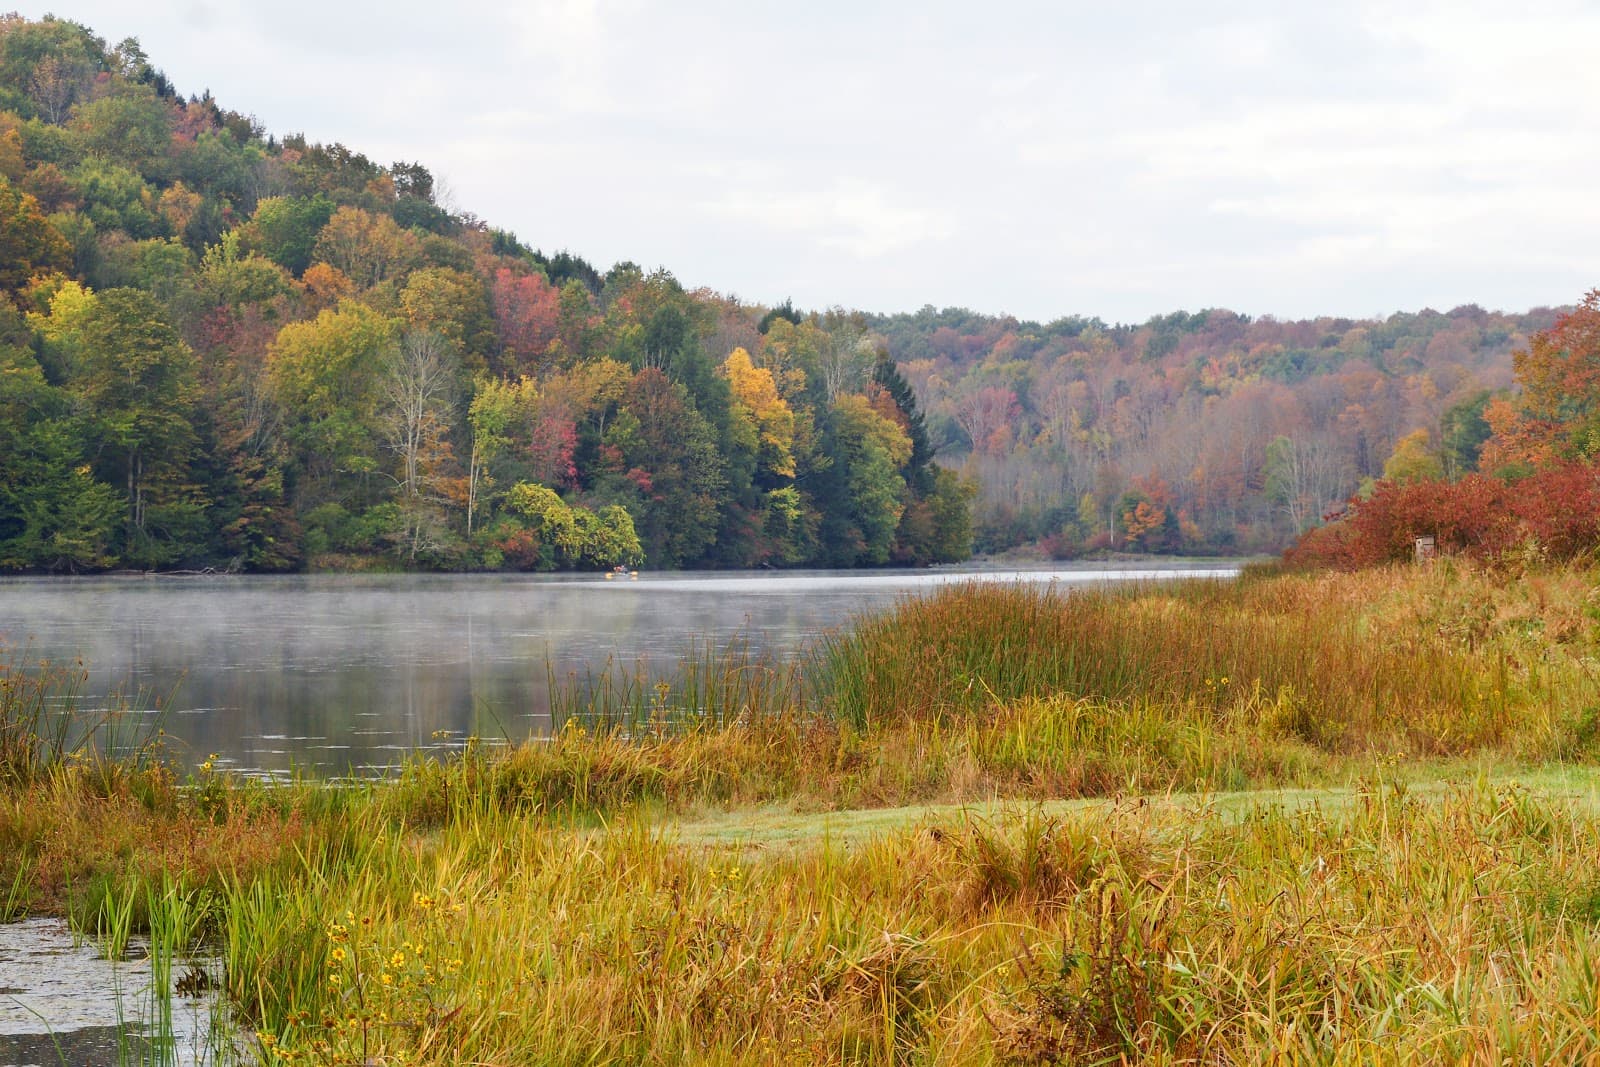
(62, 1002)
(349, 672)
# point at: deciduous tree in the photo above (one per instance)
(136, 382)
(419, 385)
(327, 374)
(368, 248)
(28, 243)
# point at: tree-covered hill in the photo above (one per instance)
(221, 348)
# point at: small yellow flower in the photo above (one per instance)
(386, 978)
(398, 960)
(338, 955)
(422, 900)
(334, 980)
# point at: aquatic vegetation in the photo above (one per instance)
(1099, 885)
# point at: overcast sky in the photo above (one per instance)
(1038, 159)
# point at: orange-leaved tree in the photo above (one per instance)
(1557, 414)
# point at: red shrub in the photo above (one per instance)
(1557, 509)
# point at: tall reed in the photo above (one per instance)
(708, 687)
(45, 722)
(1338, 680)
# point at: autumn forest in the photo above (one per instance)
(225, 349)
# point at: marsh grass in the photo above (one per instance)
(533, 904)
(1458, 929)
(709, 687)
(45, 723)
(1393, 661)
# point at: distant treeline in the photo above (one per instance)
(1206, 432)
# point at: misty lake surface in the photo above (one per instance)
(349, 673)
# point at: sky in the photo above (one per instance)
(1041, 160)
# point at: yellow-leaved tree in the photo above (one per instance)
(756, 400)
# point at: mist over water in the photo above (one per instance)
(348, 673)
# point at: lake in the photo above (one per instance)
(348, 673)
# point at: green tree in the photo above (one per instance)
(131, 128)
(115, 197)
(490, 415)
(576, 536)
(231, 277)
(49, 64)
(162, 267)
(218, 166)
(326, 374)
(888, 379)
(285, 229)
(135, 380)
(863, 511)
(54, 513)
(672, 452)
(1413, 460)
(1463, 430)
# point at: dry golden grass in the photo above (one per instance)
(540, 905)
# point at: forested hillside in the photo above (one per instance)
(1207, 432)
(219, 348)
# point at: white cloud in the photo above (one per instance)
(1043, 159)
(859, 217)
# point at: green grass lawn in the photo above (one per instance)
(771, 826)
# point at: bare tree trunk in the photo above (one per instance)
(418, 387)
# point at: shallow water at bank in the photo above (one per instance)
(62, 1002)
